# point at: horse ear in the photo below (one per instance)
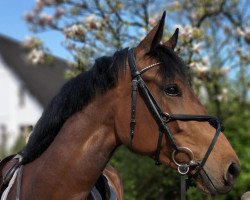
(171, 43)
(153, 38)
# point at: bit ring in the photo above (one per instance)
(185, 150)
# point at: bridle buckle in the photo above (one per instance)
(166, 117)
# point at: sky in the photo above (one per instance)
(13, 25)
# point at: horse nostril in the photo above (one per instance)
(232, 173)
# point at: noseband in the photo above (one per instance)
(162, 118)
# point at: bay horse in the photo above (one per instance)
(139, 97)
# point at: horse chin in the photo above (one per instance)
(207, 186)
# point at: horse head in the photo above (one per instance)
(165, 119)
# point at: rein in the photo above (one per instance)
(162, 118)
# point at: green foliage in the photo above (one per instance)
(238, 132)
(143, 179)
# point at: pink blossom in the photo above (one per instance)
(152, 20)
(186, 32)
(240, 31)
(29, 17)
(59, 12)
(199, 67)
(36, 56)
(31, 42)
(91, 21)
(90, 18)
(45, 19)
(75, 30)
(197, 47)
(39, 5)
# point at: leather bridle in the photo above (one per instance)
(162, 118)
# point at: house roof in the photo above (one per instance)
(42, 80)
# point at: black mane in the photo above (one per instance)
(73, 96)
(78, 92)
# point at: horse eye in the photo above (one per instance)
(172, 90)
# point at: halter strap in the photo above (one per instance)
(149, 100)
(162, 118)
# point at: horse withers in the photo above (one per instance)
(140, 98)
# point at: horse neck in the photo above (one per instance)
(75, 159)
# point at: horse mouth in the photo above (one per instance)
(207, 186)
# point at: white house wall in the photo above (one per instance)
(12, 114)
